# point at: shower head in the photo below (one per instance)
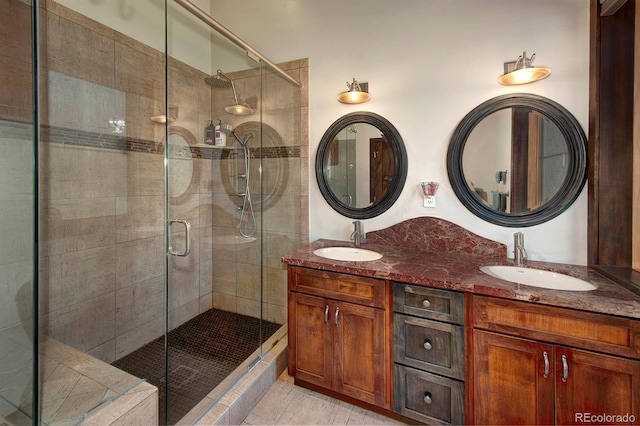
(219, 81)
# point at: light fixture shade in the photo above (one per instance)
(522, 71)
(239, 109)
(357, 93)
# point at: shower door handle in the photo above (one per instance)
(187, 246)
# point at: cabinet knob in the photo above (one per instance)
(426, 303)
(427, 398)
(427, 345)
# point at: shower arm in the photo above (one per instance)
(251, 52)
(235, 95)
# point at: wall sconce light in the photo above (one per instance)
(172, 115)
(357, 93)
(521, 71)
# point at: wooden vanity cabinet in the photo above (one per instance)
(339, 334)
(429, 354)
(535, 364)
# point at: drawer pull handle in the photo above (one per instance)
(427, 398)
(546, 364)
(426, 303)
(337, 313)
(326, 315)
(565, 368)
(427, 345)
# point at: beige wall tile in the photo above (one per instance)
(77, 224)
(139, 260)
(145, 174)
(248, 281)
(16, 292)
(139, 304)
(86, 324)
(138, 73)
(184, 313)
(80, 172)
(81, 276)
(225, 302)
(92, 60)
(16, 228)
(139, 336)
(139, 217)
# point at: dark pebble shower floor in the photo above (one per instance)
(202, 353)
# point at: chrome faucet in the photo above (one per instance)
(358, 235)
(519, 253)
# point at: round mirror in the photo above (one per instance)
(518, 160)
(361, 165)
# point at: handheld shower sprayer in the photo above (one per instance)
(246, 210)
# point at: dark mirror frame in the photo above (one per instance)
(400, 164)
(577, 160)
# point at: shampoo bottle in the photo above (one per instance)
(208, 134)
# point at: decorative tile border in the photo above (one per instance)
(74, 137)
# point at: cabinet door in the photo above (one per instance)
(310, 337)
(360, 362)
(509, 380)
(590, 385)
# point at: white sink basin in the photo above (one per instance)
(347, 254)
(537, 278)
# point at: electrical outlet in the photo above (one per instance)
(430, 201)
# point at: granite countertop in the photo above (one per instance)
(460, 272)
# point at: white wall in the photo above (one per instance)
(428, 63)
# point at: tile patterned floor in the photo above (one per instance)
(287, 404)
(202, 353)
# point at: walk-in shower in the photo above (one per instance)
(96, 303)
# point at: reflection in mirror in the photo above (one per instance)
(515, 168)
(184, 175)
(517, 160)
(361, 165)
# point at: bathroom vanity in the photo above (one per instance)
(424, 334)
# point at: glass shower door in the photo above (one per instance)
(17, 203)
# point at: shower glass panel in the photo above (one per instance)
(157, 256)
(17, 203)
(101, 202)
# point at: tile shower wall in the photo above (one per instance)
(102, 192)
(279, 203)
(102, 213)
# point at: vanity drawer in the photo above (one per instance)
(350, 288)
(587, 330)
(429, 345)
(432, 303)
(428, 398)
